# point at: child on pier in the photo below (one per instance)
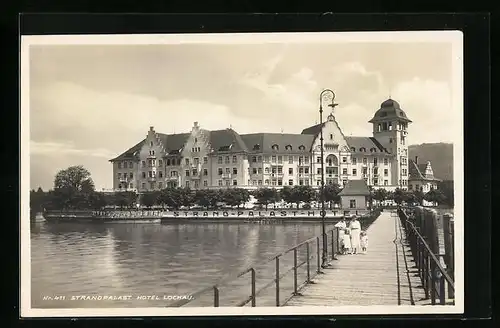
(346, 243)
(364, 241)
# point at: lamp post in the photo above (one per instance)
(326, 96)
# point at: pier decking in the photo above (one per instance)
(385, 275)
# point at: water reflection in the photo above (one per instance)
(152, 259)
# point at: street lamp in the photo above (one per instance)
(326, 96)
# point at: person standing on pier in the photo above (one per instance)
(341, 227)
(355, 230)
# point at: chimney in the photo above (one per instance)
(195, 124)
(416, 159)
(151, 128)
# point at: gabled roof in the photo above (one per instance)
(365, 142)
(313, 130)
(264, 142)
(355, 188)
(227, 140)
(417, 172)
(130, 153)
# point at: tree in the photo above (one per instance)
(331, 192)
(123, 199)
(149, 199)
(435, 196)
(287, 195)
(399, 196)
(186, 197)
(304, 194)
(266, 196)
(418, 196)
(97, 200)
(74, 178)
(171, 197)
(380, 195)
(207, 198)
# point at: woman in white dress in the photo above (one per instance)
(355, 230)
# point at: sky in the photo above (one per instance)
(89, 103)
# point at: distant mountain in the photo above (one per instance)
(439, 154)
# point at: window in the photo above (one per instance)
(318, 182)
(187, 173)
(344, 159)
(301, 147)
(259, 159)
(143, 163)
(403, 140)
(266, 159)
(160, 174)
(306, 160)
(195, 172)
(352, 203)
(354, 161)
(354, 172)
(173, 173)
(235, 159)
(119, 175)
(306, 182)
(386, 172)
(150, 144)
(273, 169)
(178, 161)
(301, 182)
(365, 160)
(144, 175)
(318, 171)
(275, 147)
(280, 170)
(375, 182)
(256, 147)
(119, 165)
(390, 140)
(273, 159)
(267, 182)
(228, 170)
(386, 161)
(273, 182)
(143, 185)
(219, 160)
(301, 170)
(259, 182)
(235, 170)
(386, 182)
(131, 175)
(205, 172)
(288, 147)
(365, 170)
(290, 159)
(290, 182)
(131, 185)
(290, 171)
(375, 171)
(205, 160)
(227, 160)
(254, 159)
(344, 171)
(375, 161)
(254, 170)
(187, 161)
(197, 184)
(160, 185)
(267, 170)
(220, 183)
(306, 170)
(235, 182)
(260, 170)
(318, 159)
(168, 162)
(331, 136)
(196, 161)
(187, 184)
(160, 163)
(280, 182)
(280, 159)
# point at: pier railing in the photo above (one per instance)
(435, 268)
(311, 264)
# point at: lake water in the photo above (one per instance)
(70, 260)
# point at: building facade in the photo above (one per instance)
(224, 158)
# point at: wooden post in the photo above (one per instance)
(434, 232)
(448, 230)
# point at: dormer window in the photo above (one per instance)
(373, 150)
(288, 147)
(353, 149)
(362, 149)
(302, 147)
(256, 147)
(275, 147)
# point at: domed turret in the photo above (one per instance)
(389, 110)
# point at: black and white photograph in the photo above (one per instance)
(242, 174)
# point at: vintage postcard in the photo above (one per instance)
(242, 174)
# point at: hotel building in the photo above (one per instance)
(224, 158)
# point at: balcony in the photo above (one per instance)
(123, 179)
(174, 177)
(226, 176)
(277, 175)
(333, 175)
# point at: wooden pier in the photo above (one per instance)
(385, 275)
